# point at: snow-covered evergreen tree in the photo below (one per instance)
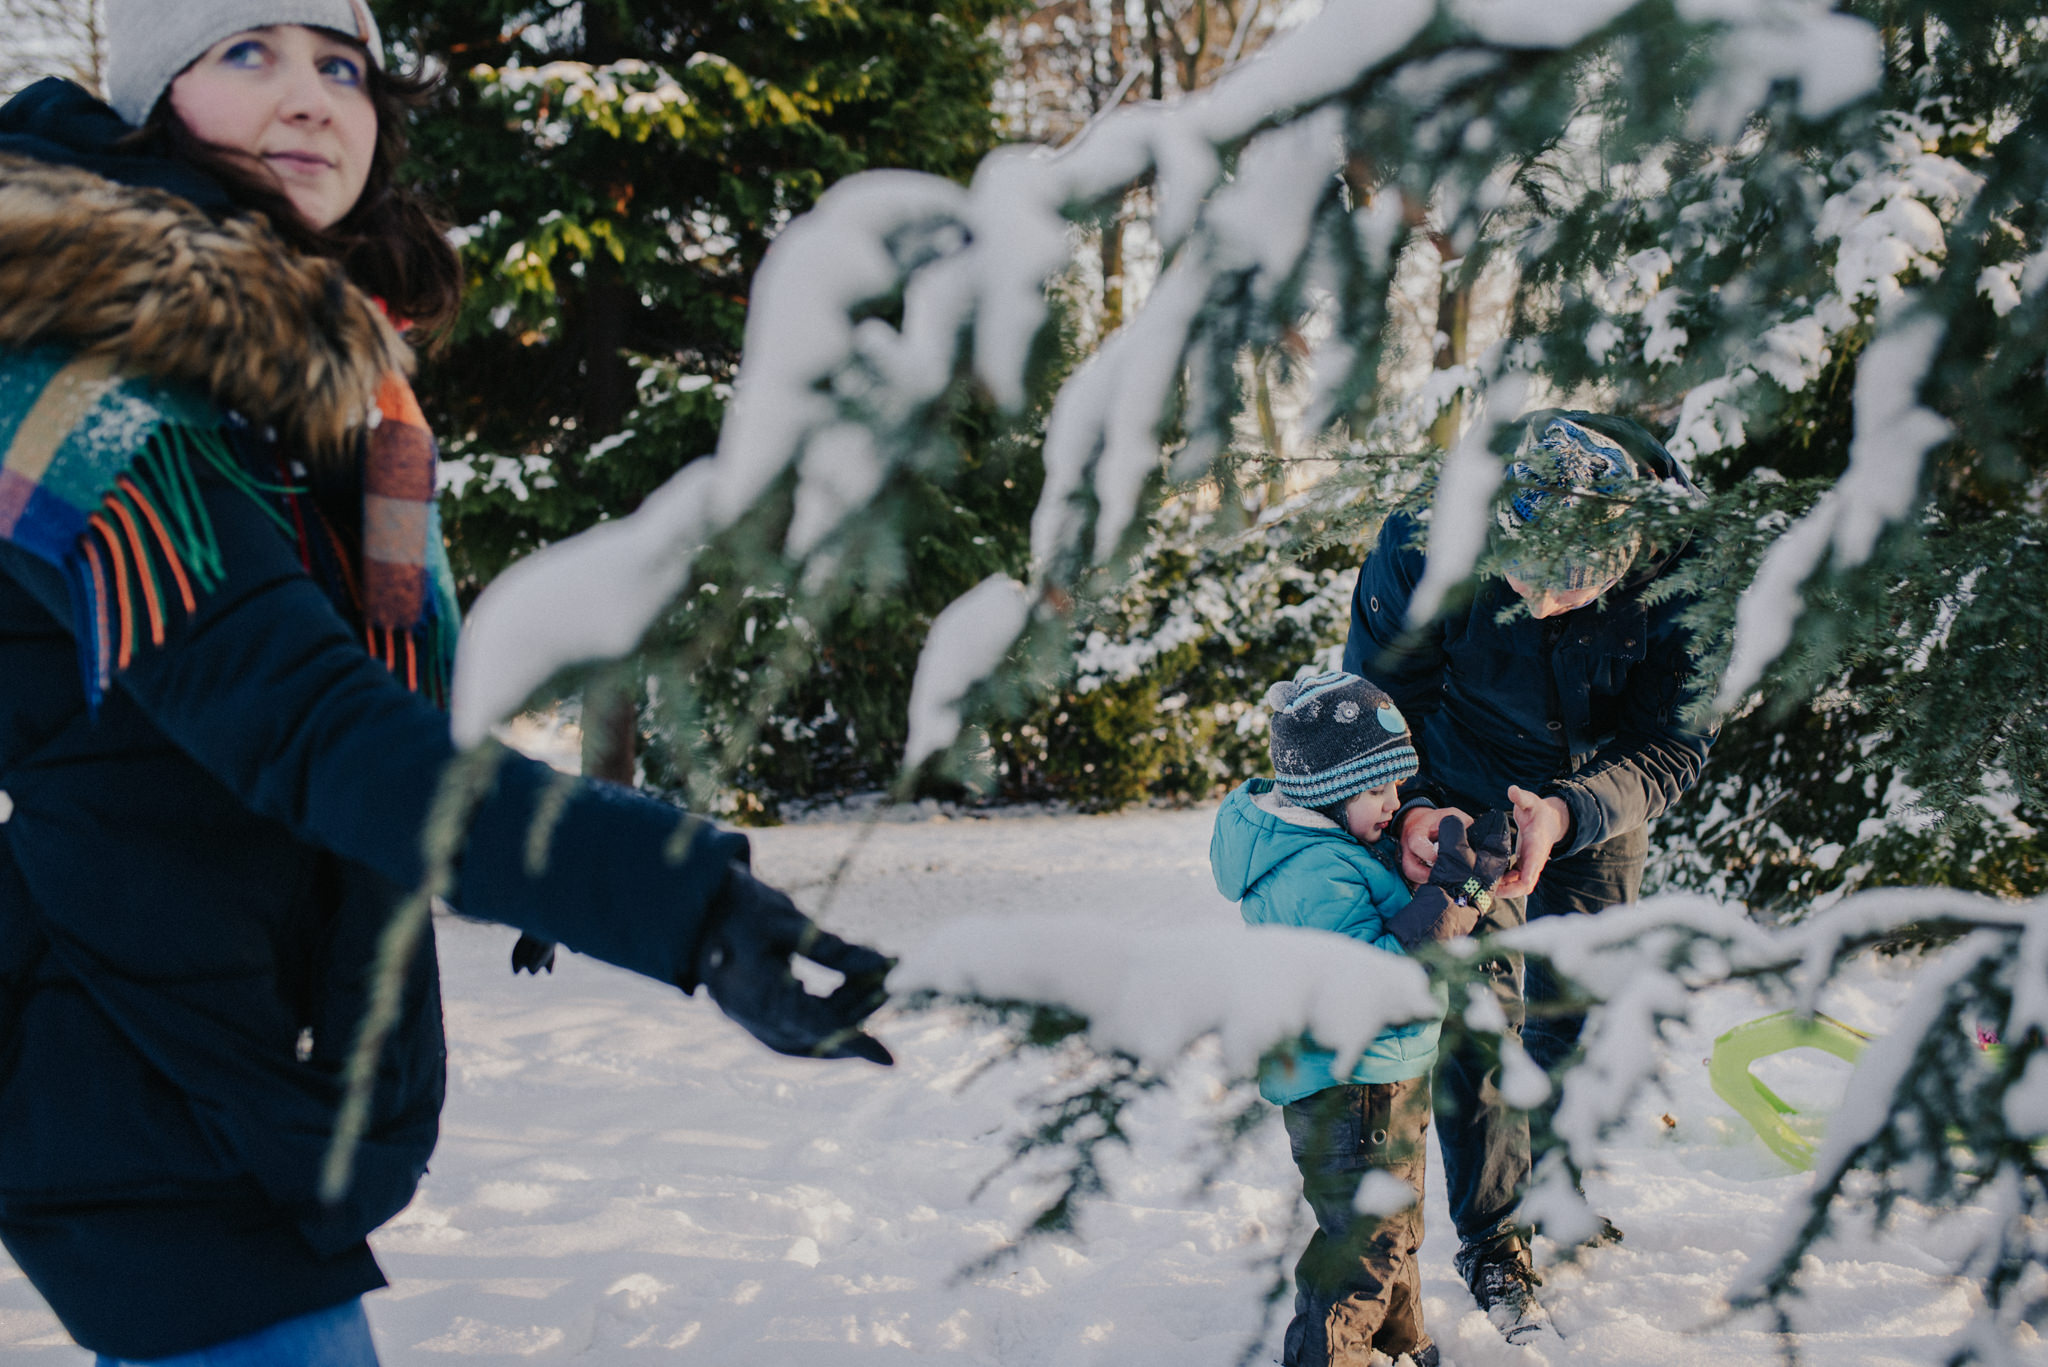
(1804, 241)
(616, 170)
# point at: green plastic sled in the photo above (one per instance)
(1763, 1108)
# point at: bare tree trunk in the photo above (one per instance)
(50, 38)
(1195, 51)
(1155, 51)
(1118, 47)
(1113, 272)
(94, 65)
(603, 35)
(611, 710)
(1269, 424)
(611, 729)
(1453, 326)
(607, 377)
(611, 732)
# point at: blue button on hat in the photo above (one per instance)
(1560, 464)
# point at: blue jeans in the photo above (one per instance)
(1485, 1142)
(337, 1337)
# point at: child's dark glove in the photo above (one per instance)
(1472, 863)
(743, 958)
(1461, 882)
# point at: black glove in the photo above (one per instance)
(1461, 882)
(533, 956)
(743, 958)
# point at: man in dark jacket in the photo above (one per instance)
(1571, 713)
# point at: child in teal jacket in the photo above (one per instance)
(1307, 849)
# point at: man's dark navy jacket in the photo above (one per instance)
(1587, 706)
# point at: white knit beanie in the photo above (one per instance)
(150, 41)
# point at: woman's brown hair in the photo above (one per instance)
(392, 245)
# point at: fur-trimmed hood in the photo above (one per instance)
(147, 279)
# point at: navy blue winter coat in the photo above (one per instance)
(1586, 706)
(192, 886)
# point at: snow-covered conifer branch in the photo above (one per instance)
(1151, 996)
(1147, 998)
(1275, 192)
(1929, 1115)
(1894, 433)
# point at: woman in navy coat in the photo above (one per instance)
(224, 627)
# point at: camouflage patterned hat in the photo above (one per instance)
(1560, 464)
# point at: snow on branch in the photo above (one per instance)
(1463, 512)
(1873, 1092)
(1643, 961)
(1152, 994)
(1893, 434)
(1834, 58)
(587, 598)
(867, 311)
(968, 640)
(1928, 1114)
(972, 267)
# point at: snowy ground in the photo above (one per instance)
(623, 1172)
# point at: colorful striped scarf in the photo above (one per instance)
(100, 478)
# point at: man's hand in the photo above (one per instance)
(1416, 834)
(1540, 823)
(744, 960)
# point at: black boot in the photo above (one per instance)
(1504, 1284)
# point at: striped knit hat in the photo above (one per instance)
(1334, 736)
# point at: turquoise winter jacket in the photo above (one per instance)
(1289, 866)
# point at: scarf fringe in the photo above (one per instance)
(150, 552)
(420, 658)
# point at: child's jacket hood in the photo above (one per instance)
(1265, 831)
